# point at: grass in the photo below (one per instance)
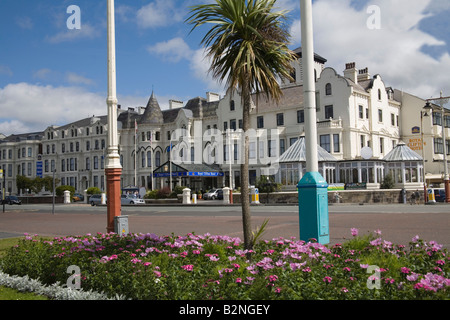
(11, 294)
(8, 293)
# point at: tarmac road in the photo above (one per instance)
(399, 223)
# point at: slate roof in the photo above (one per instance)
(297, 153)
(152, 113)
(402, 152)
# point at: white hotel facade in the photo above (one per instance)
(365, 130)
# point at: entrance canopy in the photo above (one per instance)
(187, 170)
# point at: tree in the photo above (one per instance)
(247, 45)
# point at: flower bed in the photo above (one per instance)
(200, 267)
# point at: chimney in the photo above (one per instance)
(211, 97)
(173, 104)
(364, 74)
(350, 72)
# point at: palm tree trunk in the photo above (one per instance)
(246, 216)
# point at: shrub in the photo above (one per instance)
(193, 267)
(93, 190)
(60, 191)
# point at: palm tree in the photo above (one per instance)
(247, 45)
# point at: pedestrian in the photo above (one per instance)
(417, 196)
(413, 196)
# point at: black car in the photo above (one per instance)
(11, 200)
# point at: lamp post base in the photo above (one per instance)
(447, 190)
(112, 196)
(313, 208)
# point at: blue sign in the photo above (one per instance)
(190, 174)
(39, 169)
(415, 130)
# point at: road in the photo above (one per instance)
(399, 223)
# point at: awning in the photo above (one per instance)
(187, 170)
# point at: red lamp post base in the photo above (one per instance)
(112, 196)
(447, 190)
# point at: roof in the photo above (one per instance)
(402, 153)
(152, 113)
(317, 58)
(297, 153)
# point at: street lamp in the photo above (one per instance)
(441, 101)
(113, 168)
(424, 113)
(312, 188)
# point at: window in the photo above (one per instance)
(328, 90)
(95, 162)
(437, 118)
(232, 105)
(361, 112)
(438, 146)
(363, 141)
(300, 116)
(157, 158)
(280, 119)
(367, 113)
(282, 146)
(293, 76)
(88, 145)
(63, 148)
(336, 143)
(240, 124)
(328, 112)
(157, 136)
(272, 148)
(88, 163)
(325, 142)
(149, 158)
(292, 141)
(380, 115)
(233, 124)
(447, 121)
(379, 94)
(30, 152)
(381, 145)
(392, 119)
(225, 125)
(260, 122)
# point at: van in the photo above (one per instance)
(439, 195)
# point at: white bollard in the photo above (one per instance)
(186, 196)
(66, 196)
(194, 198)
(226, 195)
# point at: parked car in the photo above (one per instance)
(130, 199)
(95, 199)
(11, 200)
(211, 194)
(439, 195)
(78, 197)
(220, 194)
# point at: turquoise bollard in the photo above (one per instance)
(313, 208)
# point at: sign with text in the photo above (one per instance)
(415, 144)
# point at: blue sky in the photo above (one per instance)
(51, 75)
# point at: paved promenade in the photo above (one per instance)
(399, 223)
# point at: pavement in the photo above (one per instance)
(399, 223)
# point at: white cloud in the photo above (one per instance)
(394, 51)
(75, 79)
(26, 107)
(173, 50)
(24, 22)
(159, 13)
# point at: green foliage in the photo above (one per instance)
(388, 182)
(93, 190)
(209, 267)
(267, 184)
(60, 190)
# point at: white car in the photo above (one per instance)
(130, 199)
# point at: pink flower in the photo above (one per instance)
(277, 290)
(327, 279)
(188, 267)
(344, 289)
(354, 232)
(405, 270)
(238, 280)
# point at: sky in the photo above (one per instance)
(53, 60)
